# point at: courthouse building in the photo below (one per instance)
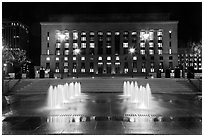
(109, 46)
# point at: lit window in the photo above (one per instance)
(108, 58)
(142, 33)
(48, 38)
(100, 33)
(151, 44)
(134, 33)
(152, 70)
(142, 45)
(92, 45)
(48, 52)
(169, 51)
(108, 33)
(83, 45)
(65, 70)
(66, 45)
(82, 58)
(57, 52)
(100, 63)
(74, 70)
(151, 35)
(195, 64)
(57, 70)
(159, 51)
(134, 58)
(195, 59)
(91, 70)
(83, 38)
(66, 52)
(151, 51)
(65, 58)
(159, 38)
(199, 59)
(75, 45)
(57, 58)
(143, 70)
(108, 63)
(159, 33)
(117, 58)
(83, 70)
(142, 52)
(117, 63)
(117, 33)
(99, 58)
(92, 33)
(66, 64)
(126, 70)
(75, 35)
(58, 45)
(125, 45)
(48, 58)
(74, 58)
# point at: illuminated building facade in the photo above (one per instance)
(15, 34)
(108, 48)
(187, 59)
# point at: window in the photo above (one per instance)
(66, 45)
(99, 58)
(74, 58)
(142, 51)
(126, 70)
(169, 51)
(151, 51)
(48, 59)
(57, 52)
(170, 57)
(159, 44)
(83, 45)
(82, 58)
(170, 65)
(48, 45)
(134, 58)
(57, 58)
(117, 58)
(75, 45)
(83, 38)
(159, 51)
(151, 35)
(142, 33)
(75, 35)
(161, 58)
(57, 70)
(66, 52)
(92, 45)
(117, 33)
(48, 38)
(152, 57)
(65, 58)
(66, 70)
(58, 45)
(47, 65)
(159, 33)
(125, 45)
(108, 58)
(142, 45)
(159, 38)
(66, 64)
(48, 52)
(170, 44)
(151, 44)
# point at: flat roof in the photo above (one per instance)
(146, 22)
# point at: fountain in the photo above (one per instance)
(137, 94)
(59, 95)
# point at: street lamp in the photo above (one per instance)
(77, 52)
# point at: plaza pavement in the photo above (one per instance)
(176, 108)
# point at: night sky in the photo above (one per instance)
(189, 15)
